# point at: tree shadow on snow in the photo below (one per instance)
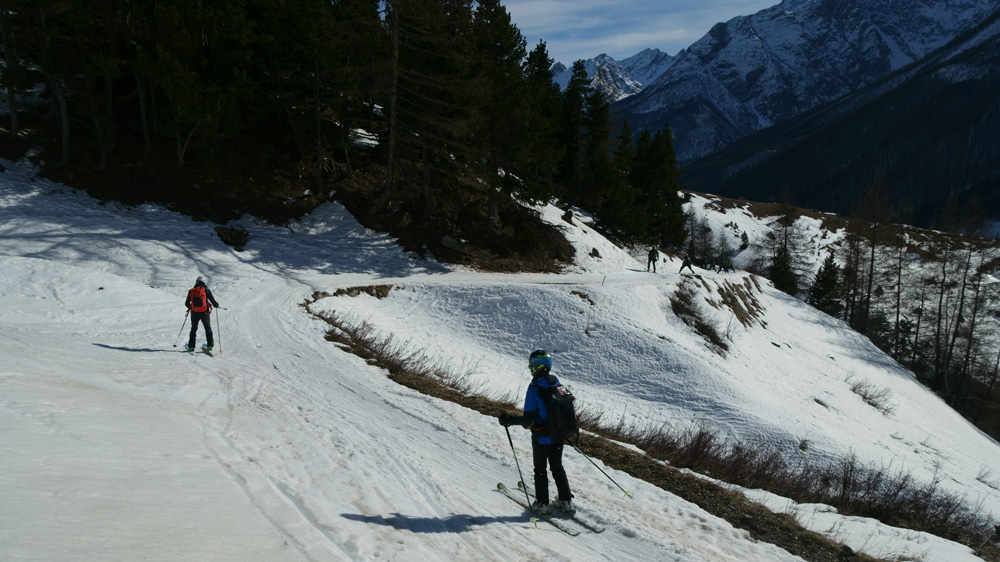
(75, 227)
(457, 523)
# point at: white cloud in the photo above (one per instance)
(582, 30)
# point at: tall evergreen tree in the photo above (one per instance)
(498, 54)
(498, 50)
(825, 290)
(781, 272)
(596, 154)
(573, 127)
(656, 175)
(11, 78)
(621, 198)
(362, 54)
(431, 100)
(541, 149)
(701, 246)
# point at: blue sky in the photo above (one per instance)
(583, 29)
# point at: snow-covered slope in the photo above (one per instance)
(115, 446)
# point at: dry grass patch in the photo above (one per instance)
(686, 307)
(740, 298)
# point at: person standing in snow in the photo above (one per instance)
(544, 451)
(199, 303)
(651, 259)
(687, 264)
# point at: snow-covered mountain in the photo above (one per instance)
(619, 79)
(757, 70)
(927, 131)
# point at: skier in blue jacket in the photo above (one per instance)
(544, 451)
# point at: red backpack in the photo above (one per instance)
(199, 301)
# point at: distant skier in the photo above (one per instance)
(651, 259)
(687, 264)
(728, 267)
(544, 451)
(200, 302)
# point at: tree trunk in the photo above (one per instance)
(977, 287)
(12, 71)
(920, 318)
(938, 383)
(899, 299)
(99, 127)
(143, 118)
(182, 146)
(949, 390)
(996, 372)
(871, 279)
(58, 91)
(393, 110)
(319, 134)
(62, 114)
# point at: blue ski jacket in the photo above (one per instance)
(535, 413)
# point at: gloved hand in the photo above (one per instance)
(504, 420)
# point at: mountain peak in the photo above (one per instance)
(754, 71)
(619, 79)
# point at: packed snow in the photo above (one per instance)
(117, 445)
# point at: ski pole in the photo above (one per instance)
(627, 493)
(177, 339)
(219, 324)
(517, 464)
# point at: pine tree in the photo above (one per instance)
(781, 272)
(825, 290)
(10, 79)
(702, 245)
(621, 198)
(432, 99)
(362, 52)
(596, 158)
(572, 134)
(541, 150)
(498, 53)
(656, 175)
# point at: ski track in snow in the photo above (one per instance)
(115, 445)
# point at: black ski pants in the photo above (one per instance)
(206, 319)
(552, 456)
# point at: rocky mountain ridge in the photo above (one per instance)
(925, 136)
(758, 70)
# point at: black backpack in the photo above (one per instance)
(562, 422)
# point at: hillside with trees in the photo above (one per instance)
(930, 300)
(255, 107)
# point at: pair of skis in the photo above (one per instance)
(558, 523)
(204, 349)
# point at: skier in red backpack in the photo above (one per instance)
(199, 303)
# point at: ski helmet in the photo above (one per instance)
(200, 279)
(538, 359)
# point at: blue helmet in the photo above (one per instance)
(538, 359)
